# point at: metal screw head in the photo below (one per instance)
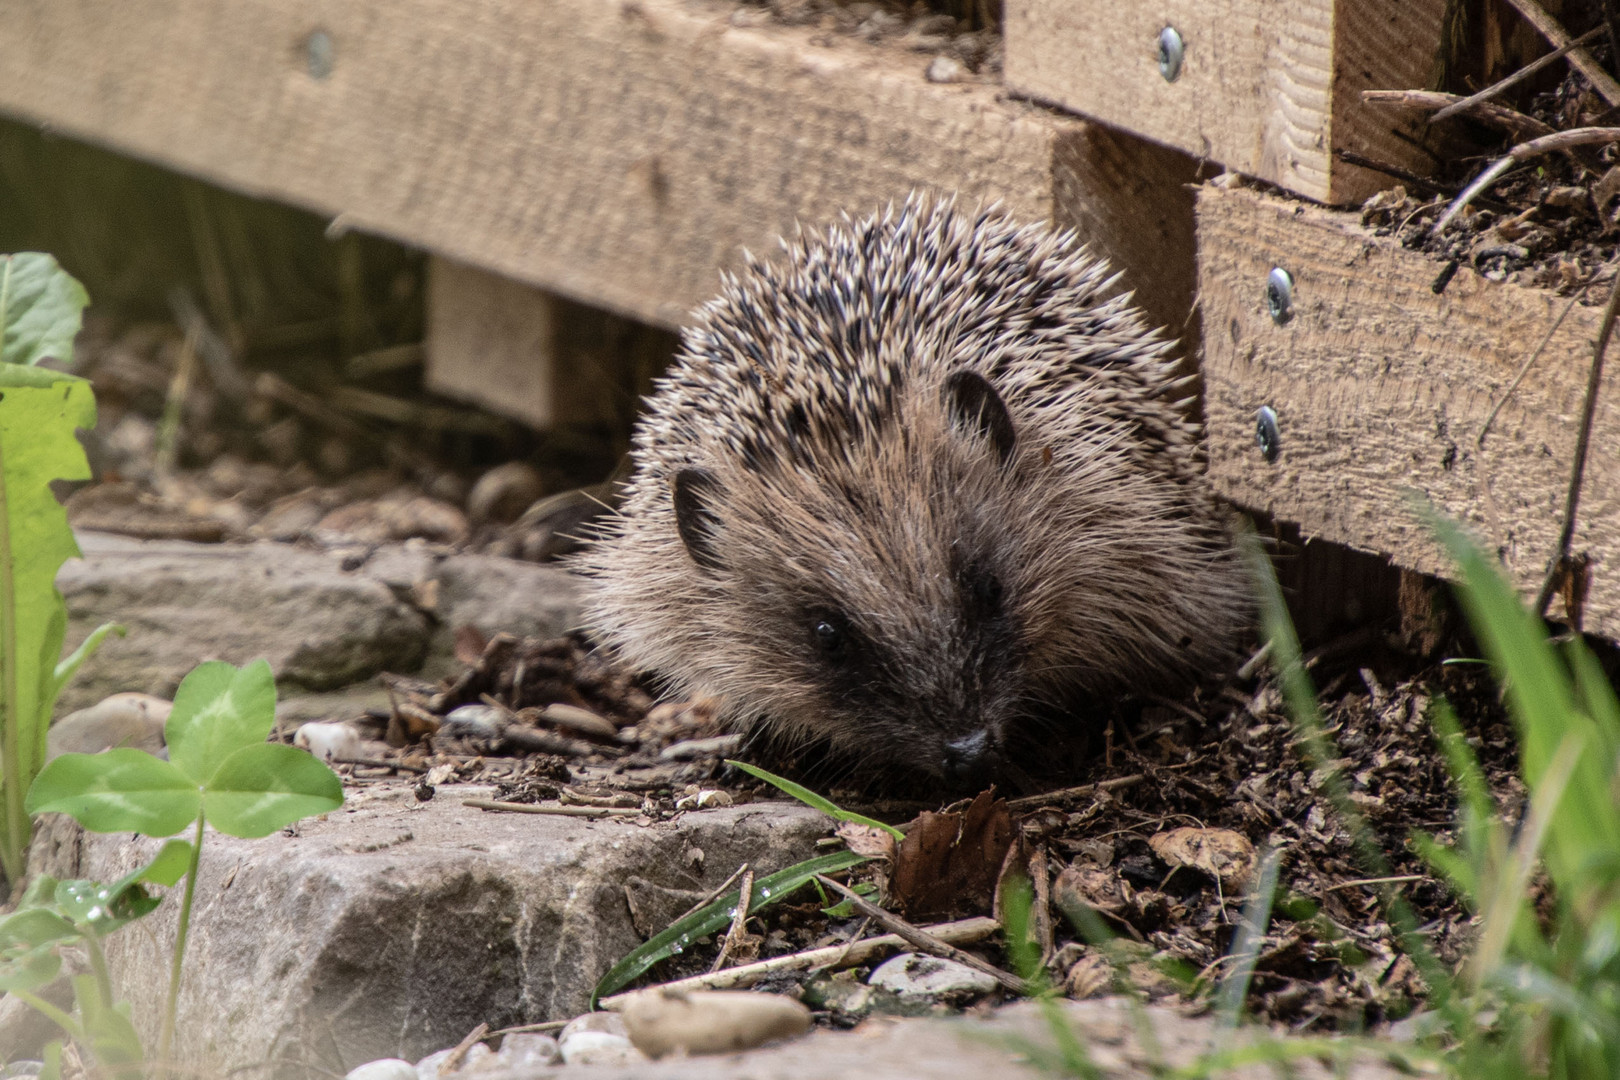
(320, 54)
(1280, 295)
(1265, 433)
(1171, 50)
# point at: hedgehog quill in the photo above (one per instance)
(925, 478)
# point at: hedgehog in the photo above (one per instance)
(927, 477)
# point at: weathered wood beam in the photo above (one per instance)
(1269, 88)
(619, 152)
(1381, 388)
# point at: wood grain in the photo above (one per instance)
(1270, 88)
(1382, 387)
(620, 152)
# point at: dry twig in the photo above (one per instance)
(1572, 500)
(1468, 103)
(745, 893)
(1561, 140)
(922, 939)
(1512, 121)
(1029, 802)
(1551, 29)
(555, 811)
(961, 932)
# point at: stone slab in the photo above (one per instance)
(391, 928)
(323, 618)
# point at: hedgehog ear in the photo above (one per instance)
(695, 492)
(976, 409)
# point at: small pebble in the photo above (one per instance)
(474, 722)
(946, 69)
(524, 1049)
(18, 1070)
(329, 740)
(578, 720)
(478, 1056)
(598, 1048)
(663, 1022)
(383, 1069)
(133, 720)
(914, 975)
(691, 749)
(707, 799)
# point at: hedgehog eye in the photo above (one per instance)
(831, 636)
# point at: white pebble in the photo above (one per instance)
(477, 1055)
(383, 1069)
(598, 1048)
(946, 69)
(663, 1021)
(526, 1048)
(329, 740)
(914, 976)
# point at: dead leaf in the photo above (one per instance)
(948, 864)
(1221, 853)
(866, 840)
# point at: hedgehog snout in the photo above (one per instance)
(969, 761)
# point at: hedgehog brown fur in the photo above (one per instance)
(927, 475)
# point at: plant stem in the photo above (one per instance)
(53, 1014)
(173, 1007)
(13, 770)
(98, 964)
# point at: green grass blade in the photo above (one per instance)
(812, 800)
(1542, 700)
(682, 934)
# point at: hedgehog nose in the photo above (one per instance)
(967, 760)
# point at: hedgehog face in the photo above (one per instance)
(871, 599)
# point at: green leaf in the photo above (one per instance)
(168, 867)
(53, 1062)
(28, 941)
(112, 1038)
(101, 909)
(218, 710)
(39, 412)
(267, 786)
(122, 790)
(41, 308)
(682, 934)
(62, 673)
(812, 800)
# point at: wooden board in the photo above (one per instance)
(529, 354)
(619, 152)
(1269, 88)
(1382, 387)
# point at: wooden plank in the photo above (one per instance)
(529, 354)
(1382, 387)
(619, 152)
(1269, 88)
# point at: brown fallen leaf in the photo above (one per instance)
(948, 864)
(1223, 854)
(866, 840)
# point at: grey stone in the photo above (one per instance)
(915, 975)
(495, 595)
(319, 625)
(391, 928)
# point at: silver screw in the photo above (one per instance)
(1265, 433)
(1171, 50)
(319, 52)
(1280, 295)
